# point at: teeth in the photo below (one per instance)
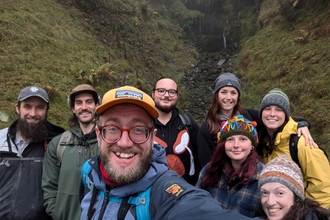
(124, 155)
(273, 210)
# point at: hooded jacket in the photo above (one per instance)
(171, 197)
(21, 195)
(314, 165)
(181, 146)
(61, 182)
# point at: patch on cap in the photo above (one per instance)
(33, 91)
(129, 94)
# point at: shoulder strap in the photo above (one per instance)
(62, 144)
(123, 209)
(142, 206)
(186, 121)
(86, 169)
(294, 148)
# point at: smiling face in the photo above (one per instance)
(84, 108)
(165, 103)
(273, 117)
(125, 161)
(276, 200)
(238, 147)
(228, 97)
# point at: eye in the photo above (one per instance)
(264, 193)
(279, 109)
(111, 129)
(161, 90)
(172, 91)
(243, 138)
(230, 139)
(138, 130)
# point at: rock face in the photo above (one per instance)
(200, 83)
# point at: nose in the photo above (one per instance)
(84, 105)
(124, 140)
(271, 199)
(236, 143)
(33, 112)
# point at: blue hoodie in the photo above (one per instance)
(171, 197)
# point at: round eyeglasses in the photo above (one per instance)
(162, 92)
(112, 134)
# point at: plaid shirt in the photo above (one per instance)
(244, 199)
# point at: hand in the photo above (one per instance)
(308, 138)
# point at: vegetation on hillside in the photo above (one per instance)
(60, 44)
(290, 50)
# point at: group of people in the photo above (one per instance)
(136, 156)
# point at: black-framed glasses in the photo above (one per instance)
(112, 134)
(162, 92)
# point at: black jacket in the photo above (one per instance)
(174, 137)
(21, 195)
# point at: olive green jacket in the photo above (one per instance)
(61, 180)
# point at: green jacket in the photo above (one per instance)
(61, 182)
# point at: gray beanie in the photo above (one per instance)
(276, 97)
(283, 170)
(227, 79)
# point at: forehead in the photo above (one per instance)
(167, 84)
(228, 88)
(34, 101)
(82, 96)
(126, 112)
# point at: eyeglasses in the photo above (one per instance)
(162, 92)
(112, 134)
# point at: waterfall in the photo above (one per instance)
(224, 39)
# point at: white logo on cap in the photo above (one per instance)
(128, 94)
(34, 89)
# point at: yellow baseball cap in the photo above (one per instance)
(128, 94)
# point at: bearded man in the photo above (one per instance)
(130, 179)
(181, 144)
(22, 149)
(65, 156)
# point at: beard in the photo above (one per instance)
(131, 175)
(33, 132)
(166, 109)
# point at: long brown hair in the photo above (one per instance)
(213, 115)
(302, 208)
(221, 162)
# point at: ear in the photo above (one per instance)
(98, 134)
(17, 108)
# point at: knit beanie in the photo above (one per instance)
(283, 170)
(238, 125)
(276, 97)
(227, 79)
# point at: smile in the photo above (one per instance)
(124, 155)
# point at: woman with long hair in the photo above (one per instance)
(231, 177)
(276, 128)
(226, 104)
(282, 193)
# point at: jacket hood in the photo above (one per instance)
(157, 167)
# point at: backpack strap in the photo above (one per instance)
(123, 209)
(186, 122)
(62, 144)
(294, 148)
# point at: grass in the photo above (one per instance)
(58, 44)
(292, 55)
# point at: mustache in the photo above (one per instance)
(84, 111)
(32, 117)
(116, 148)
